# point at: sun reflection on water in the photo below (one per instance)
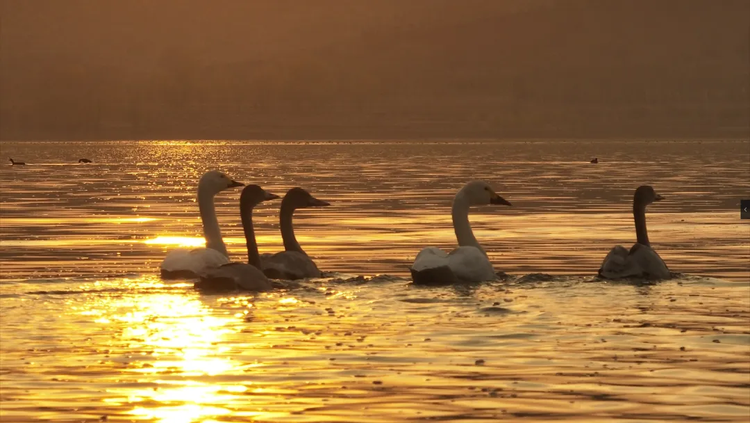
(180, 241)
(177, 337)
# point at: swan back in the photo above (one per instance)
(291, 265)
(234, 276)
(190, 264)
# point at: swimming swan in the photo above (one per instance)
(641, 260)
(185, 263)
(15, 163)
(468, 262)
(245, 276)
(293, 263)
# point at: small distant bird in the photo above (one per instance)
(14, 163)
(595, 160)
(84, 161)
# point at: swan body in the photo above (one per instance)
(242, 276)
(641, 261)
(468, 262)
(191, 263)
(292, 263)
(84, 161)
(15, 163)
(595, 160)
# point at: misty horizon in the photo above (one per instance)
(334, 69)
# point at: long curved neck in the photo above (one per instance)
(639, 214)
(460, 214)
(253, 257)
(287, 229)
(211, 230)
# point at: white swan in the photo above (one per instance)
(184, 263)
(244, 276)
(468, 262)
(292, 263)
(641, 260)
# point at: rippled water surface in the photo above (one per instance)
(89, 331)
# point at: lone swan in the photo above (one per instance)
(184, 263)
(292, 263)
(641, 260)
(468, 262)
(244, 276)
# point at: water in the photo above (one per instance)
(89, 330)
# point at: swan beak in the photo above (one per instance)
(270, 196)
(235, 184)
(314, 202)
(498, 200)
(658, 197)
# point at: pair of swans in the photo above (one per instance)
(212, 265)
(469, 262)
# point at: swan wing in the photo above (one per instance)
(235, 276)
(648, 262)
(196, 261)
(430, 258)
(290, 265)
(469, 264)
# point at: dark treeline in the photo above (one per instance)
(384, 69)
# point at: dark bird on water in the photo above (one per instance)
(14, 163)
(84, 161)
(594, 160)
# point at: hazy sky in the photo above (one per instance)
(361, 69)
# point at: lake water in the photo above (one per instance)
(90, 331)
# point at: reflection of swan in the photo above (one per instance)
(244, 276)
(641, 260)
(468, 262)
(183, 263)
(84, 161)
(15, 163)
(293, 263)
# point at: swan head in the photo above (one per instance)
(215, 182)
(645, 195)
(480, 193)
(252, 195)
(298, 198)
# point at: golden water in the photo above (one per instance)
(89, 330)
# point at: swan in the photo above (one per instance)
(84, 161)
(595, 160)
(245, 276)
(14, 163)
(641, 260)
(185, 263)
(468, 262)
(292, 263)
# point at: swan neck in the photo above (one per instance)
(639, 214)
(253, 257)
(287, 229)
(461, 225)
(211, 230)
